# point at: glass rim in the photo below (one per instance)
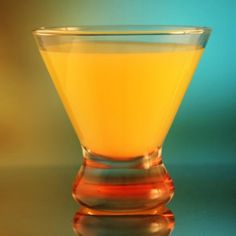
(119, 30)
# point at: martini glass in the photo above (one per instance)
(121, 87)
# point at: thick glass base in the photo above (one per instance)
(160, 224)
(122, 186)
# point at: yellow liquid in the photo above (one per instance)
(121, 97)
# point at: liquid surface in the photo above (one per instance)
(121, 97)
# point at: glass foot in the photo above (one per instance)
(122, 186)
(160, 224)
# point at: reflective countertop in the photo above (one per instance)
(37, 201)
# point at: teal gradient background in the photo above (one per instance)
(37, 139)
(34, 121)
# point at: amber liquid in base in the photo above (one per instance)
(121, 97)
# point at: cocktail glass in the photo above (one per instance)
(121, 87)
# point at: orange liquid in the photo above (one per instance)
(121, 97)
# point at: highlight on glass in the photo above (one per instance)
(121, 87)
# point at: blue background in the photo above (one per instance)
(204, 130)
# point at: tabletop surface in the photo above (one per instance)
(37, 201)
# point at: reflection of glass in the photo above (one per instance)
(160, 224)
(121, 87)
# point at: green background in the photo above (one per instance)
(35, 132)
